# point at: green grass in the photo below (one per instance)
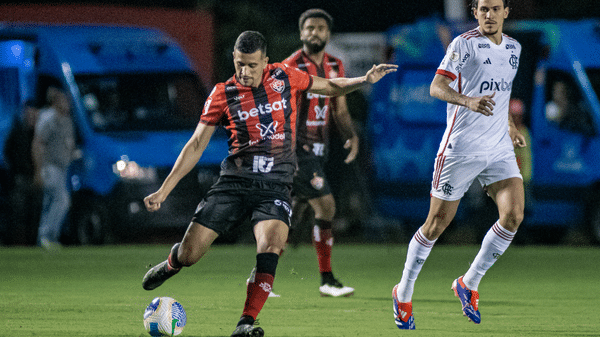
(96, 291)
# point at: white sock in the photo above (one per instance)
(418, 251)
(495, 242)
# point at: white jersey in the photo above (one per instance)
(479, 67)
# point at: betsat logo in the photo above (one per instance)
(502, 85)
(263, 109)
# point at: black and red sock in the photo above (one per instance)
(258, 291)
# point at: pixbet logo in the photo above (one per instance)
(495, 86)
(263, 109)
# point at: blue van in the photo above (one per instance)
(136, 101)
(406, 124)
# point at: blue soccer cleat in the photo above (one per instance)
(403, 315)
(469, 300)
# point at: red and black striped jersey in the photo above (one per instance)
(260, 122)
(314, 110)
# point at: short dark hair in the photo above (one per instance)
(315, 13)
(250, 41)
(475, 3)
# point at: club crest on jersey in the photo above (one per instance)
(514, 61)
(278, 85)
(333, 74)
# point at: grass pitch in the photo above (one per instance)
(96, 291)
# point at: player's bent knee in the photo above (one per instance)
(511, 220)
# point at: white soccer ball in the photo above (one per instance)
(164, 317)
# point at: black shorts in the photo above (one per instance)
(310, 181)
(231, 200)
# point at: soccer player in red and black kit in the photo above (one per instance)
(310, 185)
(257, 107)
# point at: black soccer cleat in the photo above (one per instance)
(248, 330)
(157, 275)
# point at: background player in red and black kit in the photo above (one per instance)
(310, 185)
(257, 107)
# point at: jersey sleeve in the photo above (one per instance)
(214, 107)
(299, 79)
(457, 55)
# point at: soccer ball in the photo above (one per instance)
(164, 317)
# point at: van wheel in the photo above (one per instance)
(93, 224)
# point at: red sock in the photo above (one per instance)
(323, 240)
(257, 294)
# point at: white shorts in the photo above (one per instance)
(453, 175)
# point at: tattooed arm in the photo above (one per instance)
(189, 156)
(440, 89)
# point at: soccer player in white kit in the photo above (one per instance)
(475, 78)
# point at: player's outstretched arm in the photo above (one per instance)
(189, 156)
(440, 89)
(342, 86)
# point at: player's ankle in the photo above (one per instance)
(246, 319)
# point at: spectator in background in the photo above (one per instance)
(24, 199)
(53, 151)
(566, 111)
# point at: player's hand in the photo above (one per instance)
(378, 71)
(351, 144)
(153, 201)
(484, 104)
(517, 137)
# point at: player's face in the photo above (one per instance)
(314, 34)
(490, 15)
(249, 67)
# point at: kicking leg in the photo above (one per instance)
(194, 245)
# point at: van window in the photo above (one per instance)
(565, 106)
(142, 102)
